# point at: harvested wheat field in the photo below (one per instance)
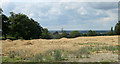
(80, 49)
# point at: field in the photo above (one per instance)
(80, 49)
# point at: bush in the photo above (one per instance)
(84, 34)
(112, 48)
(57, 56)
(56, 36)
(98, 34)
(55, 33)
(12, 54)
(83, 52)
(49, 58)
(109, 33)
(74, 34)
(39, 57)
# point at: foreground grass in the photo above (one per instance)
(57, 54)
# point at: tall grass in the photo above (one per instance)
(82, 52)
(38, 57)
(60, 55)
(57, 56)
(12, 54)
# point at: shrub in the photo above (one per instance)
(98, 34)
(109, 33)
(56, 36)
(65, 57)
(12, 54)
(57, 56)
(55, 33)
(49, 58)
(38, 57)
(84, 34)
(83, 52)
(97, 48)
(112, 48)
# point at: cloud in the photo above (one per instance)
(82, 11)
(104, 5)
(57, 15)
(54, 11)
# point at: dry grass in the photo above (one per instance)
(42, 45)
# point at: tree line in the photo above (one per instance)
(21, 26)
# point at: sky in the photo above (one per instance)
(55, 15)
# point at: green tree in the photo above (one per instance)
(117, 29)
(56, 35)
(36, 29)
(84, 34)
(5, 26)
(22, 26)
(74, 34)
(91, 33)
(64, 34)
(110, 32)
(45, 34)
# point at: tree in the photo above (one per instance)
(36, 29)
(110, 32)
(91, 33)
(1, 10)
(56, 35)
(5, 26)
(83, 34)
(94, 33)
(22, 26)
(117, 29)
(64, 34)
(74, 34)
(45, 34)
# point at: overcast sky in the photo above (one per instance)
(68, 15)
